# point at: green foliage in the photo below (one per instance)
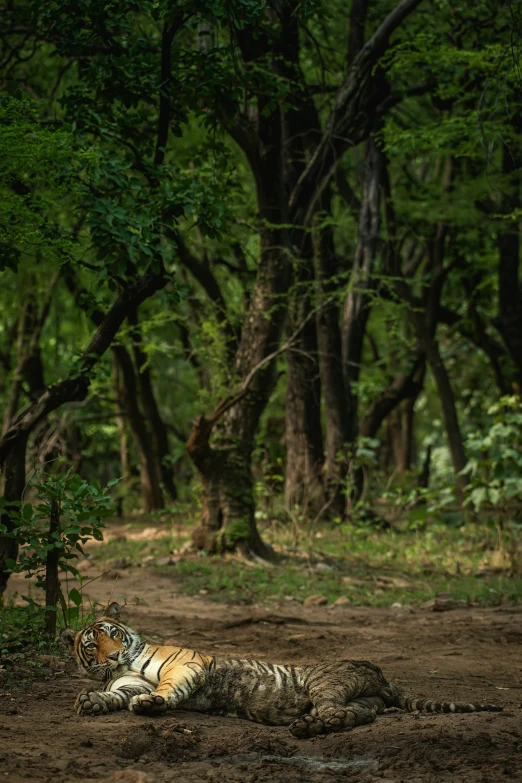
(495, 461)
(117, 156)
(82, 507)
(22, 644)
(33, 188)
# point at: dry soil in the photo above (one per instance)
(466, 654)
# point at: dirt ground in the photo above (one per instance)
(465, 654)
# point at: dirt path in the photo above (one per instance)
(469, 654)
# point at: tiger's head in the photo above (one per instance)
(104, 647)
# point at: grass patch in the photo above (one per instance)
(477, 563)
(134, 547)
(370, 568)
(232, 582)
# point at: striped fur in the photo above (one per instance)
(310, 699)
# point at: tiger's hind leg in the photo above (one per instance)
(327, 718)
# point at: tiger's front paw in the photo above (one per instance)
(91, 704)
(148, 704)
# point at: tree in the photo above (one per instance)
(320, 194)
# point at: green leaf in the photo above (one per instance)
(75, 596)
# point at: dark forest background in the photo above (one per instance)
(260, 259)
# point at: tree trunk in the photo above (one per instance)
(400, 435)
(303, 435)
(14, 485)
(125, 466)
(358, 300)
(226, 472)
(281, 201)
(152, 495)
(150, 407)
(405, 385)
(29, 367)
(509, 319)
(227, 517)
(52, 583)
(449, 413)
(338, 409)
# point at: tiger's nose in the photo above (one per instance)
(114, 655)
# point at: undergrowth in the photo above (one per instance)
(233, 582)
(23, 643)
(369, 567)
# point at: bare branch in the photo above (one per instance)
(350, 121)
(75, 387)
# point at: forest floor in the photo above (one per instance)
(465, 654)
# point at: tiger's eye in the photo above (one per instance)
(115, 633)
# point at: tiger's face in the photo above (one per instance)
(102, 647)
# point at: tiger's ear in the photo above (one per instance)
(113, 610)
(67, 637)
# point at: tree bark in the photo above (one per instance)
(340, 350)
(158, 429)
(14, 485)
(29, 365)
(351, 118)
(151, 492)
(405, 385)
(227, 518)
(52, 582)
(125, 467)
(303, 434)
(338, 409)
(225, 466)
(449, 412)
(424, 314)
(358, 300)
(400, 433)
(509, 320)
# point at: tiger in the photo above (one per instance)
(312, 700)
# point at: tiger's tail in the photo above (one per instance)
(412, 704)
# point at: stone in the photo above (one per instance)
(165, 561)
(315, 600)
(342, 601)
(398, 582)
(400, 609)
(444, 603)
(323, 567)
